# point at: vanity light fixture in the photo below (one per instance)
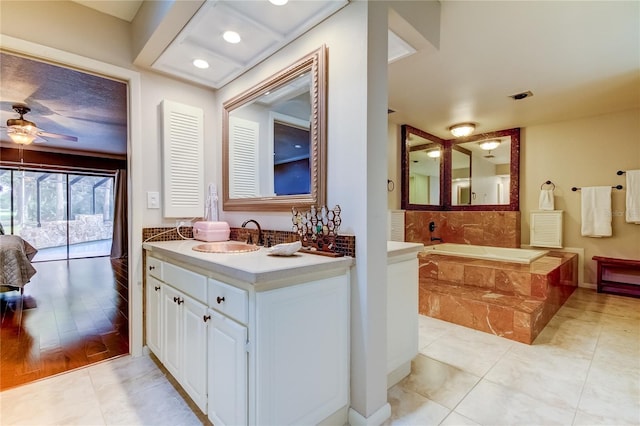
(489, 145)
(278, 2)
(231, 37)
(434, 153)
(462, 129)
(200, 63)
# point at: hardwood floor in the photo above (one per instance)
(75, 313)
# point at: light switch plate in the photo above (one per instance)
(153, 200)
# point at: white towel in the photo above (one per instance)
(596, 211)
(546, 200)
(633, 196)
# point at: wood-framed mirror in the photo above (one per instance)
(479, 172)
(422, 169)
(483, 172)
(274, 140)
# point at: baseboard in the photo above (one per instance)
(376, 419)
(340, 417)
(398, 374)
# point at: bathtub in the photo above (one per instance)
(502, 254)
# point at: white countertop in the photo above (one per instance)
(254, 267)
(398, 250)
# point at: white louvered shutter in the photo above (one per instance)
(243, 157)
(183, 160)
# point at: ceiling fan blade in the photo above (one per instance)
(57, 136)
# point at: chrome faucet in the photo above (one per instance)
(249, 241)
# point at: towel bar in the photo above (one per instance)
(614, 187)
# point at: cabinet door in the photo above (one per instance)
(194, 357)
(302, 352)
(227, 371)
(402, 313)
(171, 330)
(153, 315)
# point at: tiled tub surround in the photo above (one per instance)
(345, 244)
(483, 228)
(510, 300)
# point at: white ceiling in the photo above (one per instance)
(264, 29)
(579, 59)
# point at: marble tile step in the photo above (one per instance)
(501, 299)
(510, 316)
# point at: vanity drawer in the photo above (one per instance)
(154, 267)
(189, 282)
(229, 300)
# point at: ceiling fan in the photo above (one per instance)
(23, 132)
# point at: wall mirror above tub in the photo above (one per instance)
(422, 168)
(274, 140)
(479, 172)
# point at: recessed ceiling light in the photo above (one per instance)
(231, 37)
(278, 2)
(297, 146)
(200, 63)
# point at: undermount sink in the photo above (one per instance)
(226, 247)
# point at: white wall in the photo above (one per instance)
(354, 161)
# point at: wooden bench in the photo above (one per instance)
(618, 276)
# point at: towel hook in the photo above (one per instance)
(548, 183)
(620, 172)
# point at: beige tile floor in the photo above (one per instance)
(584, 369)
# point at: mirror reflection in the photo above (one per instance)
(471, 173)
(423, 155)
(274, 140)
(480, 172)
(424, 170)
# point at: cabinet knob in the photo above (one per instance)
(220, 299)
(157, 288)
(151, 268)
(180, 301)
(206, 318)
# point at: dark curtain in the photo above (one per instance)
(120, 233)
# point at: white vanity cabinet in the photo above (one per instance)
(402, 308)
(176, 325)
(184, 351)
(227, 371)
(266, 338)
(153, 319)
(153, 301)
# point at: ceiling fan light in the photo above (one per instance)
(22, 138)
(489, 145)
(463, 129)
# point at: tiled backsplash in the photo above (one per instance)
(345, 244)
(484, 228)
